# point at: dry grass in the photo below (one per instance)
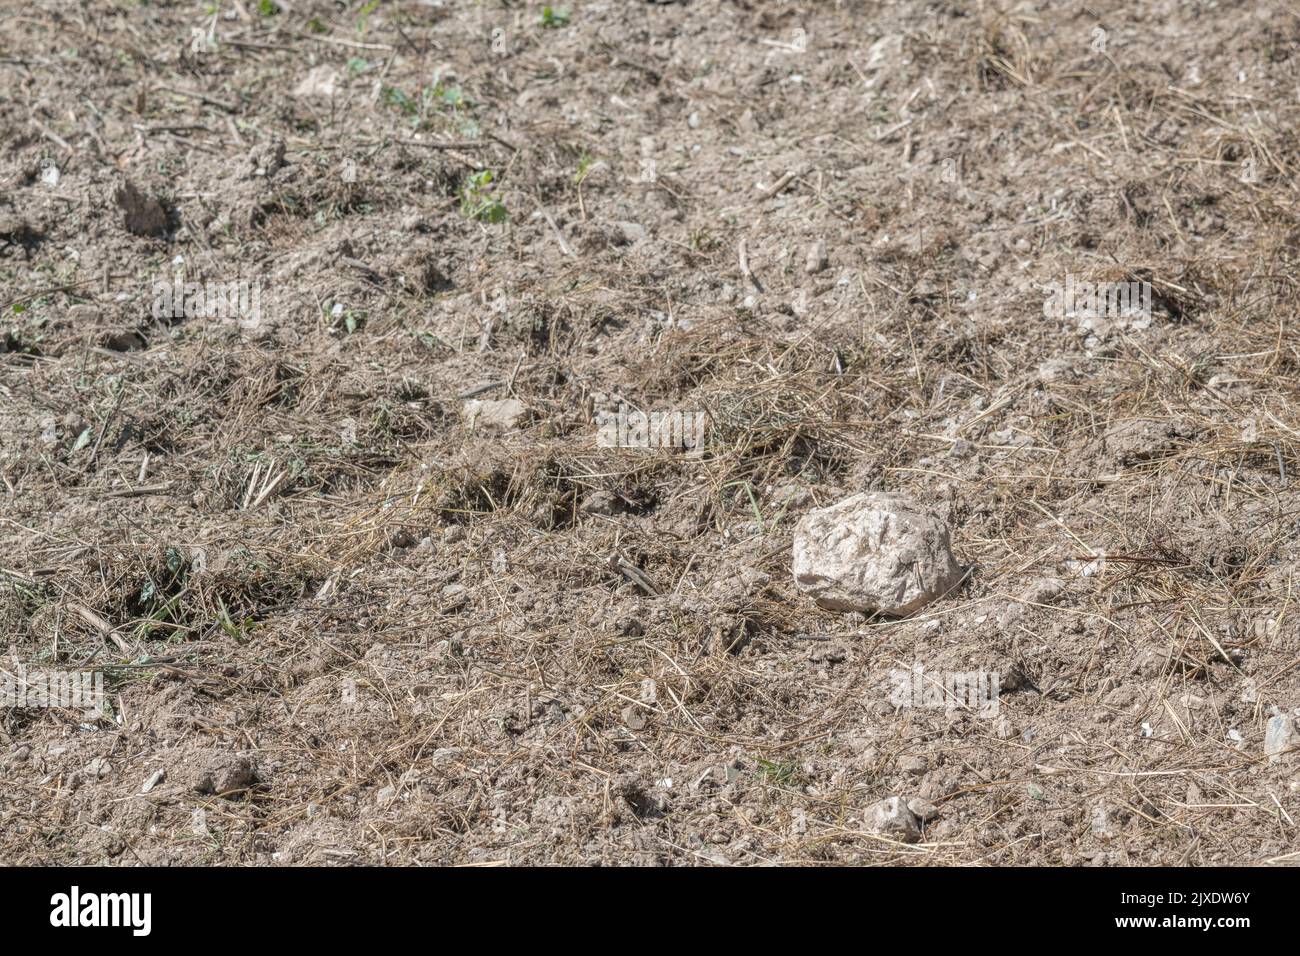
(439, 645)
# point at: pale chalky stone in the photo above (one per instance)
(874, 552)
(891, 818)
(1279, 737)
(508, 413)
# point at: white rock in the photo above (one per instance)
(816, 259)
(321, 81)
(1279, 737)
(1101, 822)
(874, 552)
(489, 413)
(891, 818)
(633, 232)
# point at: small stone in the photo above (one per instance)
(155, 778)
(83, 313)
(913, 766)
(891, 818)
(491, 413)
(631, 232)
(874, 552)
(1279, 737)
(816, 260)
(634, 717)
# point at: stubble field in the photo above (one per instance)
(364, 583)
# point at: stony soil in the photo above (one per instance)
(344, 622)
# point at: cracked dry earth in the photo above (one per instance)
(364, 585)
